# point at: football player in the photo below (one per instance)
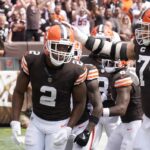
(85, 128)
(54, 77)
(127, 96)
(108, 123)
(136, 49)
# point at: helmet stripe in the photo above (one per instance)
(63, 32)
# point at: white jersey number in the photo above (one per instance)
(48, 100)
(146, 60)
(104, 89)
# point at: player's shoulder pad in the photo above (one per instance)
(29, 58)
(32, 53)
(92, 72)
(80, 69)
(122, 79)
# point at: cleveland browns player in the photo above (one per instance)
(136, 49)
(85, 128)
(54, 78)
(127, 96)
(109, 124)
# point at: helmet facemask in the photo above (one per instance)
(142, 34)
(59, 52)
(110, 66)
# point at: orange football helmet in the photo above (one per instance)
(142, 33)
(58, 44)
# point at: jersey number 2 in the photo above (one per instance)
(48, 100)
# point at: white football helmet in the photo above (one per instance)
(142, 32)
(111, 66)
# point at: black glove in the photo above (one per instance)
(83, 138)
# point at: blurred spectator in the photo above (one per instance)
(106, 31)
(108, 16)
(48, 9)
(3, 28)
(97, 13)
(82, 20)
(22, 13)
(45, 25)
(126, 28)
(17, 28)
(33, 19)
(126, 5)
(59, 14)
(117, 12)
(135, 10)
(4, 9)
(72, 8)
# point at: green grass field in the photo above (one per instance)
(6, 142)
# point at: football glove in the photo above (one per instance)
(83, 138)
(62, 135)
(16, 132)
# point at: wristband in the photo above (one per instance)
(106, 112)
(93, 119)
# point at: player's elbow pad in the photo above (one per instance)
(94, 44)
(119, 51)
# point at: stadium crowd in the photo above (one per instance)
(22, 20)
(113, 21)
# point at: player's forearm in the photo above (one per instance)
(100, 46)
(118, 110)
(76, 113)
(94, 117)
(17, 104)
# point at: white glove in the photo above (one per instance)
(79, 36)
(62, 135)
(16, 132)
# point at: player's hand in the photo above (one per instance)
(83, 138)
(16, 132)
(62, 135)
(79, 35)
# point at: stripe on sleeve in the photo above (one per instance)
(24, 66)
(123, 82)
(92, 74)
(81, 78)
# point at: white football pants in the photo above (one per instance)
(142, 139)
(40, 134)
(123, 136)
(109, 124)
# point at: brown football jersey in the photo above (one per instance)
(51, 88)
